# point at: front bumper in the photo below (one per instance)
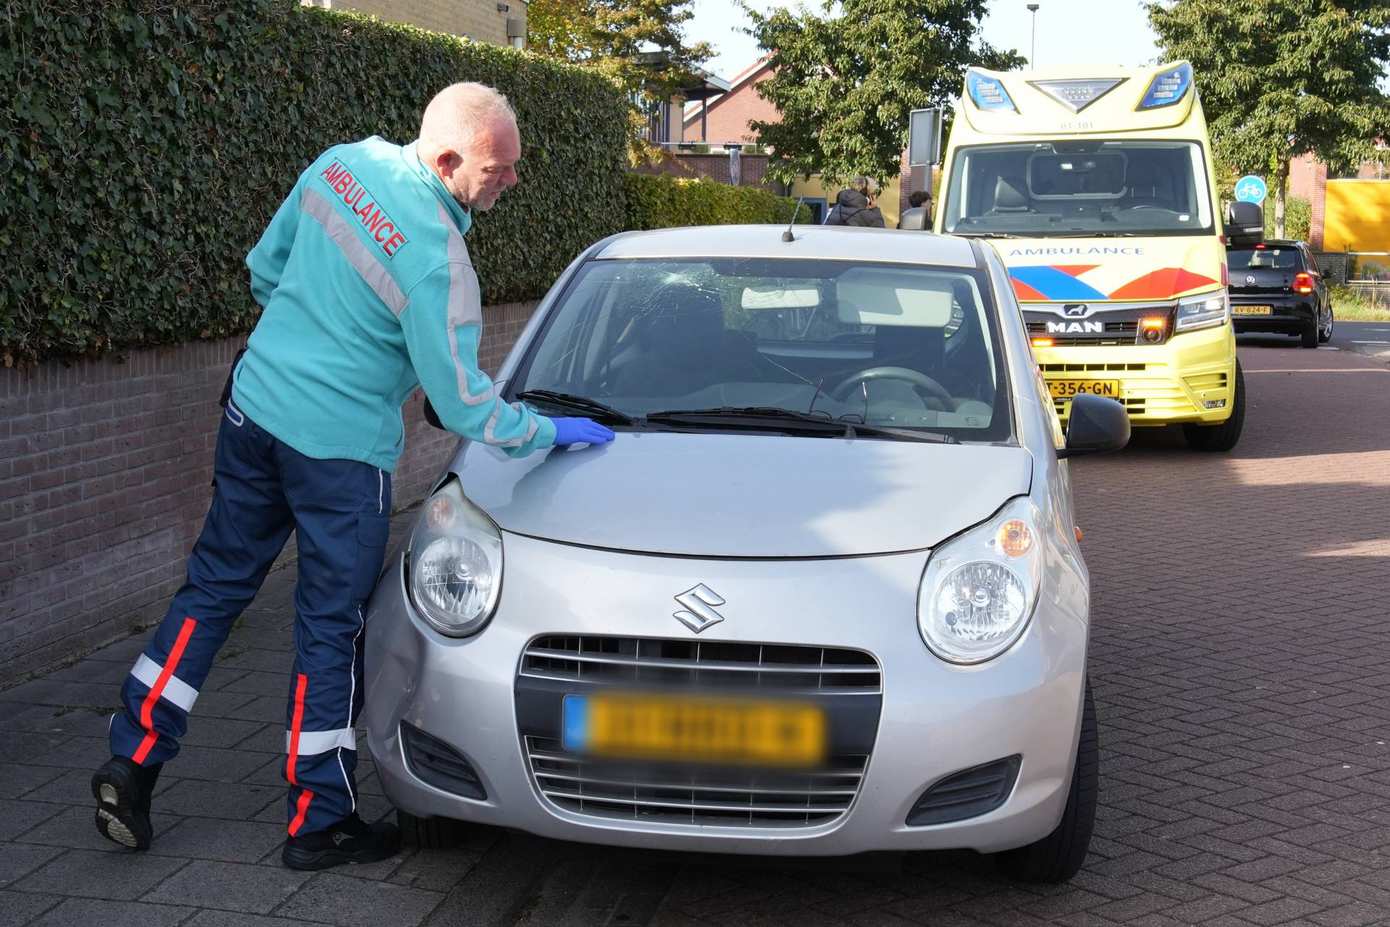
(1190, 378)
(935, 719)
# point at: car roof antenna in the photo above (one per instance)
(787, 235)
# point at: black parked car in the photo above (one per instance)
(1276, 287)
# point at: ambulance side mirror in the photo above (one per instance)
(1245, 224)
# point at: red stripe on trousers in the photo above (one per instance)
(305, 796)
(301, 810)
(152, 697)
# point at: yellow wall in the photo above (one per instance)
(1357, 216)
(887, 201)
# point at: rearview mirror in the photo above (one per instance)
(1245, 224)
(1095, 424)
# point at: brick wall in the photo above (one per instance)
(105, 470)
(480, 20)
(1308, 180)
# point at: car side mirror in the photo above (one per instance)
(1245, 224)
(1096, 424)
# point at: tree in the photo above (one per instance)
(638, 44)
(845, 84)
(1283, 78)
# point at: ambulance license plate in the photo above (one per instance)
(1065, 389)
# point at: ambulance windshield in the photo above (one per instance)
(1074, 189)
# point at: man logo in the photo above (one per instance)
(699, 610)
(1076, 310)
(1075, 328)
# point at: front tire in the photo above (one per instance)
(1058, 856)
(430, 833)
(1222, 437)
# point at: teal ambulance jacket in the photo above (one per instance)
(369, 292)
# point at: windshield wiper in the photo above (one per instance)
(987, 235)
(775, 419)
(1080, 233)
(591, 407)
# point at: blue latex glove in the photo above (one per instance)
(580, 431)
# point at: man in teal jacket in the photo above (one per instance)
(368, 292)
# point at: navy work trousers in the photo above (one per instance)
(339, 510)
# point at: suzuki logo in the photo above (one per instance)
(1076, 310)
(1075, 328)
(699, 610)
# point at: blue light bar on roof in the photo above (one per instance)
(1168, 87)
(988, 92)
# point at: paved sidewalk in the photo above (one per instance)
(1239, 658)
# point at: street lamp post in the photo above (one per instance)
(1033, 53)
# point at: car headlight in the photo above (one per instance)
(455, 563)
(979, 588)
(1205, 311)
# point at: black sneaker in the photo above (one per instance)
(122, 789)
(351, 840)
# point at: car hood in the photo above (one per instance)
(720, 495)
(1098, 270)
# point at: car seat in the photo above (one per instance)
(683, 346)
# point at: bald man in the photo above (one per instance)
(368, 292)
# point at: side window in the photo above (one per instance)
(1312, 262)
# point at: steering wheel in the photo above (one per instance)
(907, 374)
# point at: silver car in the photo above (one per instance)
(822, 594)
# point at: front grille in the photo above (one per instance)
(1113, 333)
(635, 661)
(966, 794)
(435, 762)
(693, 795)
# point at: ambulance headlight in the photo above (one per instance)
(1205, 311)
(455, 563)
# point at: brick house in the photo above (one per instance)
(726, 118)
(500, 22)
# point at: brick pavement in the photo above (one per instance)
(1238, 658)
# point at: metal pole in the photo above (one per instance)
(1033, 52)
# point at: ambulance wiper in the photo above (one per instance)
(568, 401)
(987, 235)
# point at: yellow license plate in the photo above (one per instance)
(709, 730)
(1252, 310)
(1065, 389)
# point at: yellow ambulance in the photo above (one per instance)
(1096, 187)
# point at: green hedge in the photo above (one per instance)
(146, 145)
(656, 201)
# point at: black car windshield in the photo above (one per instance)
(1079, 188)
(1263, 258)
(900, 347)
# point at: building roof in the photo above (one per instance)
(692, 108)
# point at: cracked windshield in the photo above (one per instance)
(883, 346)
(1092, 189)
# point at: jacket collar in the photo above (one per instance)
(462, 217)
